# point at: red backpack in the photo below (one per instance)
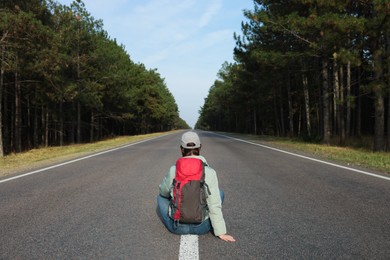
(188, 204)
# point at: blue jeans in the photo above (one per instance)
(178, 228)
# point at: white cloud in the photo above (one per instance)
(211, 11)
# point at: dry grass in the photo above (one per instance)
(49, 155)
(360, 157)
(378, 161)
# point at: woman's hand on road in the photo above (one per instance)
(227, 238)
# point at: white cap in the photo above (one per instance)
(188, 138)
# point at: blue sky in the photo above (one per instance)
(187, 41)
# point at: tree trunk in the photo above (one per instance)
(78, 122)
(379, 104)
(1, 100)
(348, 123)
(336, 98)
(43, 124)
(61, 123)
(359, 106)
(276, 116)
(341, 107)
(254, 120)
(45, 119)
(35, 127)
(388, 120)
(299, 121)
(387, 38)
(18, 116)
(236, 122)
(28, 132)
(290, 107)
(91, 135)
(379, 120)
(72, 125)
(325, 101)
(282, 128)
(307, 103)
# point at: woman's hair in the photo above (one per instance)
(189, 152)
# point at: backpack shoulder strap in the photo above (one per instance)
(202, 179)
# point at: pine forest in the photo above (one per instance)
(313, 69)
(310, 69)
(64, 80)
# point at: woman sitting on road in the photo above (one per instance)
(213, 221)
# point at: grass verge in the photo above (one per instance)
(35, 158)
(378, 161)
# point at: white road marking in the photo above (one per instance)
(76, 160)
(312, 159)
(189, 249)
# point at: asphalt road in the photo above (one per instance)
(277, 206)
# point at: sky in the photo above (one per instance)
(187, 41)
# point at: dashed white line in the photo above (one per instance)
(189, 249)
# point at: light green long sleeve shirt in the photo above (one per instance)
(213, 200)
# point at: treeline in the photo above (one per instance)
(319, 70)
(64, 80)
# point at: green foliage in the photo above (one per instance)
(72, 83)
(314, 69)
